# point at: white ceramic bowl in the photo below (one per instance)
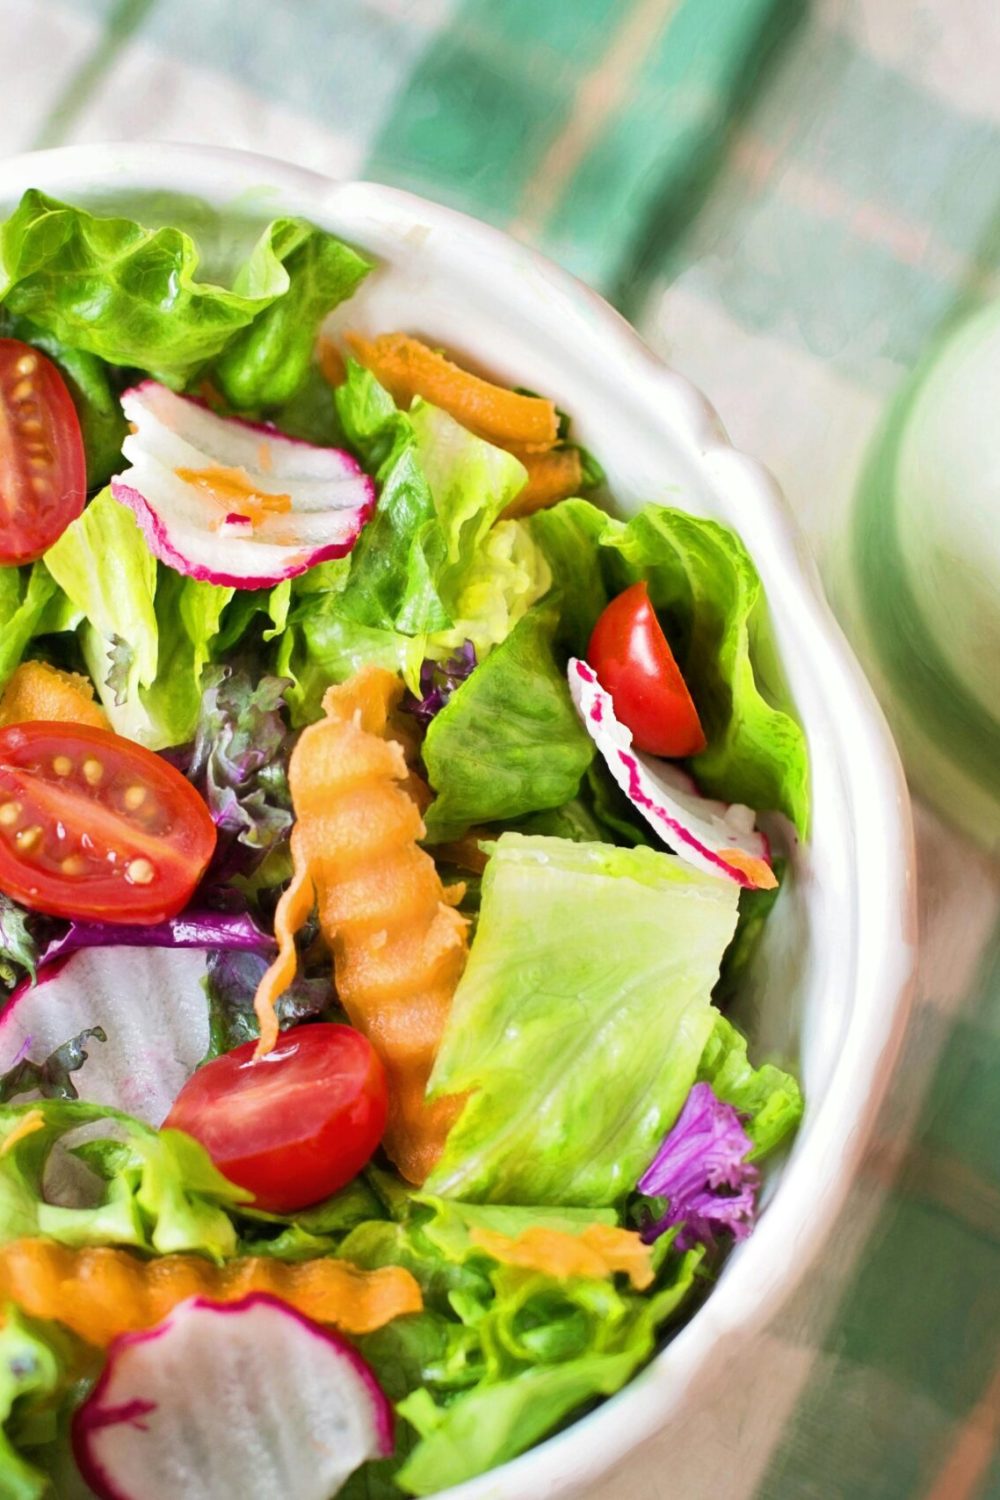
(833, 985)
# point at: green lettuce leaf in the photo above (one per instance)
(550, 1347)
(147, 631)
(570, 534)
(569, 1099)
(131, 296)
(499, 1354)
(188, 618)
(102, 422)
(492, 590)
(402, 549)
(433, 568)
(472, 483)
(25, 595)
(706, 590)
(268, 363)
(103, 566)
(508, 742)
(320, 647)
(769, 1097)
(44, 1372)
(157, 1190)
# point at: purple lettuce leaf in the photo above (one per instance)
(232, 978)
(238, 761)
(702, 1171)
(18, 943)
(438, 680)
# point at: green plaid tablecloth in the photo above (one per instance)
(788, 200)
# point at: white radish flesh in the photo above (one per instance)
(250, 1399)
(717, 837)
(232, 502)
(151, 1005)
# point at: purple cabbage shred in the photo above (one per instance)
(702, 1170)
(230, 931)
(438, 680)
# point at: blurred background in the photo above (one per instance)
(798, 205)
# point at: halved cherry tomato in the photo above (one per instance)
(634, 663)
(43, 466)
(92, 825)
(294, 1126)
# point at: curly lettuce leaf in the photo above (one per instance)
(131, 296)
(156, 1190)
(472, 483)
(268, 363)
(508, 742)
(548, 1347)
(769, 1098)
(616, 949)
(44, 1372)
(188, 619)
(103, 566)
(493, 589)
(147, 632)
(402, 549)
(434, 568)
(706, 590)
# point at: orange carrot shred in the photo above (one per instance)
(408, 368)
(330, 361)
(599, 1251)
(37, 691)
(101, 1293)
(398, 945)
(552, 476)
(758, 870)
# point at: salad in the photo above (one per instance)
(380, 856)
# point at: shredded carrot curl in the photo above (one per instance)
(101, 1293)
(398, 945)
(37, 691)
(599, 1251)
(552, 476)
(408, 368)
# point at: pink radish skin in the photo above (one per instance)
(331, 496)
(152, 1006)
(697, 828)
(262, 1405)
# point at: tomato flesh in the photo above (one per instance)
(634, 663)
(43, 464)
(94, 826)
(294, 1126)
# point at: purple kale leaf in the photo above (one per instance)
(232, 977)
(239, 763)
(438, 680)
(702, 1171)
(50, 1078)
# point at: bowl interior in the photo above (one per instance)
(827, 991)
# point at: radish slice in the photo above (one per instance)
(249, 1399)
(232, 502)
(718, 837)
(151, 1005)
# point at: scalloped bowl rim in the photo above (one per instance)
(763, 1271)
